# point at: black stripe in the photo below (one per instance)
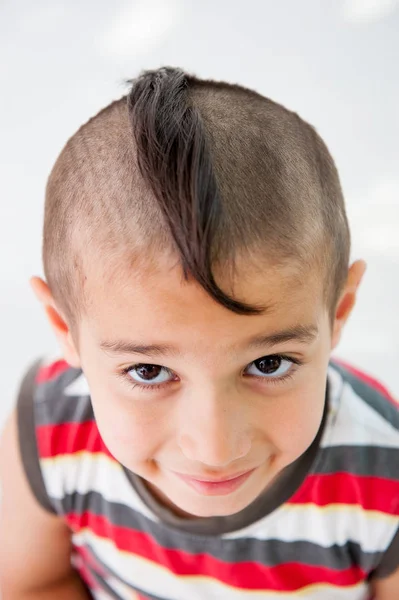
(370, 461)
(56, 411)
(269, 552)
(374, 398)
(390, 559)
(27, 437)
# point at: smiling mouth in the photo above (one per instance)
(216, 487)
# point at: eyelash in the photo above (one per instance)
(124, 374)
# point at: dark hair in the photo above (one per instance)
(210, 168)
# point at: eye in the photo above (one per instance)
(149, 375)
(274, 366)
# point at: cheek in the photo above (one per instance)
(131, 435)
(296, 420)
(303, 407)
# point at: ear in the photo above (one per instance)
(347, 300)
(56, 320)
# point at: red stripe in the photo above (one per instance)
(371, 493)
(366, 378)
(246, 575)
(69, 438)
(49, 372)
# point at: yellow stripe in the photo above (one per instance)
(337, 508)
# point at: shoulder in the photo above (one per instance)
(55, 425)
(55, 383)
(63, 415)
(360, 446)
(360, 454)
(354, 484)
(366, 412)
(76, 470)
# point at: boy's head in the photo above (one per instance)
(196, 253)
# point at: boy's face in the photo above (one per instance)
(187, 393)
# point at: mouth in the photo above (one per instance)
(216, 487)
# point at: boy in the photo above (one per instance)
(197, 441)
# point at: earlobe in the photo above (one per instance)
(347, 299)
(57, 322)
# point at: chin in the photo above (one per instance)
(211, 507)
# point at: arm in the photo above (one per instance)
(35, 545)
(386, 588)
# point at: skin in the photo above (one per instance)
(215, 418)
(215, 415)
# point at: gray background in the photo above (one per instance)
(334, 62)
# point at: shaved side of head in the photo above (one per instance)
(199, 169)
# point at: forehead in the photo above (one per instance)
(153, 303)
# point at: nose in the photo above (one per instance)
(213, 428)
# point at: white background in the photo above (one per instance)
(335, 63)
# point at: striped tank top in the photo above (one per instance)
(325, 528)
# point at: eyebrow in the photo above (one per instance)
(298, 333)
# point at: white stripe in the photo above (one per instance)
(124, 591)
(85, 472)
(99, 595)
(78, 387)
(335, 383)
(325, 527)
(355, 423)
(155, 579)
(121, 589)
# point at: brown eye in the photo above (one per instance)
(148, 374)
(268, 364)
(273, 366)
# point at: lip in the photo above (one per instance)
(216, 487)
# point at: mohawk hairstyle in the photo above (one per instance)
(174, 157)
(208, 169)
